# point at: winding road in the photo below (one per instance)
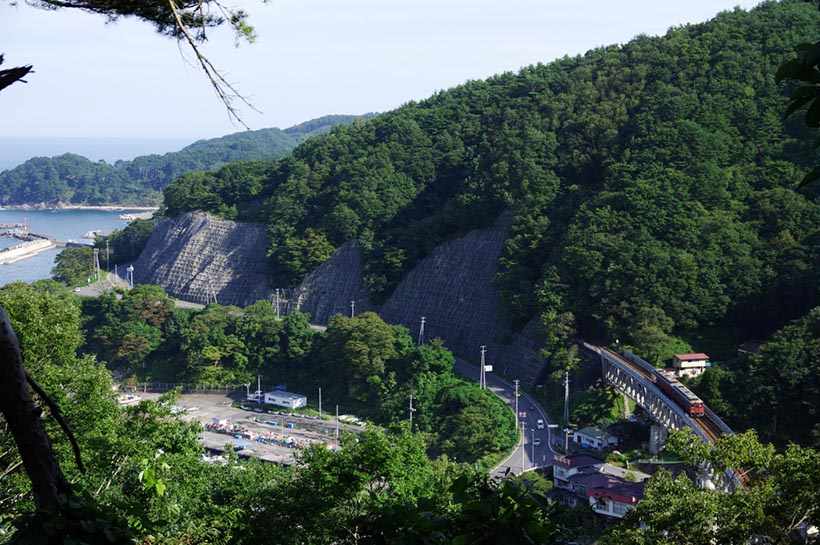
(526, 455)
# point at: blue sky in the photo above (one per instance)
(311, 58)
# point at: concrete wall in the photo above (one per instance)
(451, 288)
(196, 255)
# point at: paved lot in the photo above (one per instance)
(204, 408)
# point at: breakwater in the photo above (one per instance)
(31, 245)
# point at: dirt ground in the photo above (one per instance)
(294, 429)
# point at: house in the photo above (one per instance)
(596, 438)
(565, 467)
(286, 399)
(609, 490)
(610, 495)
(690, 364)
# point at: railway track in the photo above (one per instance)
(709, 428)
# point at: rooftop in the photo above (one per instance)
(692, 357)
(576, 461)
(602, 485)
(286, 395)
(591, 431)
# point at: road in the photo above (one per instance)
(526, 456)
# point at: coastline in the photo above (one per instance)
(103, 208)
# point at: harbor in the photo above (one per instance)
(29, 260)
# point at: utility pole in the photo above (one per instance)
(516, 381)
(566, 397)
(482, 379)
(421, 332)
(320, 403)
(277, 303)
(412, 410)
(97, 263)
(130, 276)
(523, 450)
(337, 426)
(107, 265)
(353, 309)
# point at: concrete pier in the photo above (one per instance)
(31, 245)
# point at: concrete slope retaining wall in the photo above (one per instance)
(196, 256)
(451, 288)
(329, 289)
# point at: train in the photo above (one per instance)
(679, 393)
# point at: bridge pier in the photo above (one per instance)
(658, 435)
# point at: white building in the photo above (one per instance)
(595, 438)
(220, 421)
(690, 364)
(285, 399)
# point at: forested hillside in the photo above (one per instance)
(73, 179)
(652, 186)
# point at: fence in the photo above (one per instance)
(157, 387)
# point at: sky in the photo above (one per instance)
(311, 58)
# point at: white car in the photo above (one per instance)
(539, 424)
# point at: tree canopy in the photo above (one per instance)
(651, 186)
(73, 179)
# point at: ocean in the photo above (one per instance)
(64, 225)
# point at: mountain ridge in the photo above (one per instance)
(72, 179)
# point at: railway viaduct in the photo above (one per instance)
(631, 375)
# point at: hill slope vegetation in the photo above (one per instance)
(652, 187)
(73, 179)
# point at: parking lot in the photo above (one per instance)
(283, 433)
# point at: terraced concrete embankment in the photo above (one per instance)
(196, 256)
(199, 258)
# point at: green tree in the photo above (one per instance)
(773, 505)
(363, 350)
(74, 266)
